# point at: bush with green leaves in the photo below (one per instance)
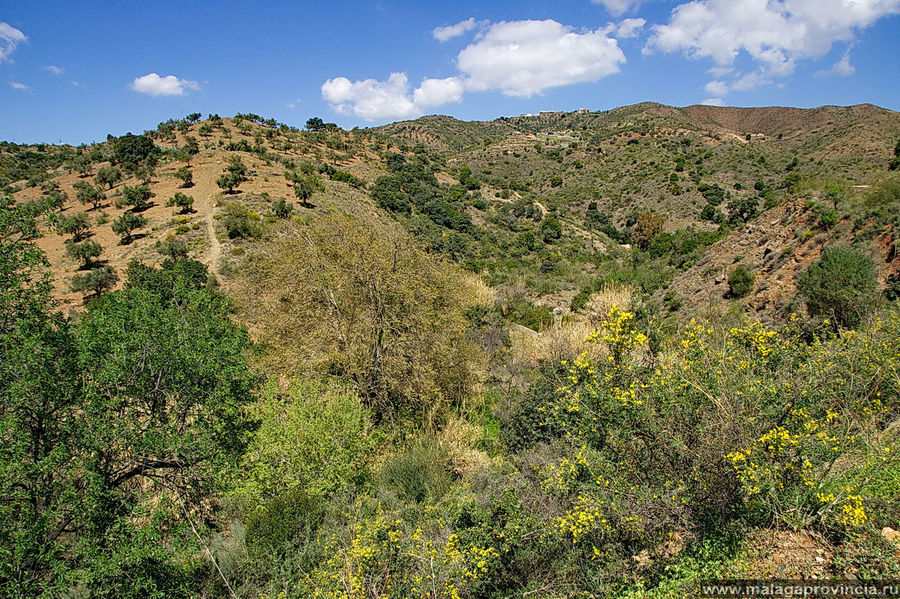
(240, 222)
(77, 225)
(108, 175)
(88, 194)
(840, 286)
(126, 224)
(182, 201)
(282, 208)
(315, 438)
(96, 280)
(132, 150)
(186, 176)
(138, 197)
(85, 252)
(740, 281)
(234, 174)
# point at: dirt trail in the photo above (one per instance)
(214, 255)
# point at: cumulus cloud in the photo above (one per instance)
(774, 33)
(170, 85)
(523, 58)
(371, 99)
(517, 58)
(629, 27)
(618, 7)
(716, 88)
(54, 70)
(713, 102)
(442, 34)
(10, 37)
(19, 87)
(437, 92)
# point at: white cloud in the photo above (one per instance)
(371, 99)
(774, 33)
(442, 34)
(617, 7)
(716, 88)
(170, 85)
(842, 68)
(54, 70)
(10, 37)
(713, 102)
(437, 92)
(629, 27)
(518, 58)
(523, 58)
(719, 71)
(19, 87)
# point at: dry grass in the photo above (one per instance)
(601, 302)
(555, 343)
(458, 438)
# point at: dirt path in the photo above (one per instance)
(214, 256)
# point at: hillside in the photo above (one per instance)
(590, 354)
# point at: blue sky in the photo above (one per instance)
(75, 71)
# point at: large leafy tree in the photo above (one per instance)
(131, 150)
(110, 426)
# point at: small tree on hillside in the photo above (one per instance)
(108, 175)
(234, 174)
(83, 164)
(85, 251)
(88, 194)
(647, 226)
(137, 196)
(182, 201)
(551, 229)
(742, 209)
(132, 150)
(126, 224)
(76, 225)
(186, 176)
(97, 280)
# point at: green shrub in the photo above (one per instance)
(315, 438)
(527, 314)
(282, 208)
(288, 520)
(740, 281)
(240, 222)
(840, 286)
(421, 472)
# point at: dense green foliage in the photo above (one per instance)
(740, 281)
(111, 425)
(840, 286)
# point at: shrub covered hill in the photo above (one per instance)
(589, 354)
